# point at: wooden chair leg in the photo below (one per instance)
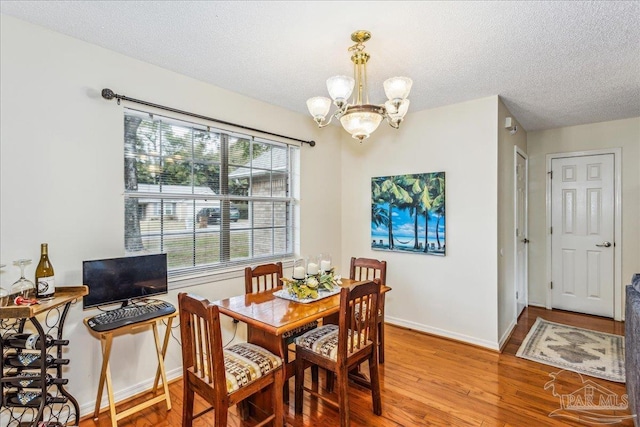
(278, 412)
(285, 387)
(187, 405)
(343, 396)
(375, 384)
(331, 379)
(381, 342)
(299, 384)
(220, 414)
(314, 373)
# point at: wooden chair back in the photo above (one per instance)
(358, 319)
(262, 277)
(368, 269)
(202, 355)
(204, 367)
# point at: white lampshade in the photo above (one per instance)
(319, 106)
(340, 87)
(397, 88)
(397, 114)
(360, 124)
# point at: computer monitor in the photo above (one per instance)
(119, 280)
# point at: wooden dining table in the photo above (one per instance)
(268, 316)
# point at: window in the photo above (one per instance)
(208, 198)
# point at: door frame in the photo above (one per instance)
(618, 290)
(519, 152)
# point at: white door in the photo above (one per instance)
(582, 234)
(522, 288)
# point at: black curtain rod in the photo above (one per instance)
(109, 94)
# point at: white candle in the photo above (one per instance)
(298, 273)
(312, 268)
(325, 265)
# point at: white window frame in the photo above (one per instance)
(200, 274)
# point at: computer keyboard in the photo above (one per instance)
(130, 314)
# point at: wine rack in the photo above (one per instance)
(29, 374)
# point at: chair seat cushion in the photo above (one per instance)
(364, 304)
(299, 330)
(322, 340)
(245, 363)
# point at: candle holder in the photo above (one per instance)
(324, 260)
(307, 279)
(313, 266)
(299, 269)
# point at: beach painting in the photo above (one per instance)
(408, 213)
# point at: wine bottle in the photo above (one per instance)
(31, 341)
(45, 281)
(31, 380)
(31, 398)
(32, 360)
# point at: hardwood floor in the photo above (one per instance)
(430, 381)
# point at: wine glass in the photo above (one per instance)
(23, 287)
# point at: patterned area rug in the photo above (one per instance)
(575, 349)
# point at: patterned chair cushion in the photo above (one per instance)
(364, 304)
(322, 340)
(245, 363)
(290, 335)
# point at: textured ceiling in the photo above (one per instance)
(554, 63)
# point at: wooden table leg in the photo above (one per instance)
(165, 344)
(105, 375)
(160, 353)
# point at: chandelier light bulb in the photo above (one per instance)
(397, 88)
(340, 88)
(319, 107)
(397, 113)
(360, 124)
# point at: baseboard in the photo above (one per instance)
(537, 304)
(505, 337)
(128, 393)
(441, 333)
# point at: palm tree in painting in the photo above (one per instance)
(379, 216)
(432, 190)
(416, 186)
(388, 190)
(438, 202)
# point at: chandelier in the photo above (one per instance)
(358, 117)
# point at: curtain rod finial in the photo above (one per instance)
(108, 94)
(311, 143)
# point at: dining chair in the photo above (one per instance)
(263, 278)
(343, 347)
(223, 377)
(370, 269)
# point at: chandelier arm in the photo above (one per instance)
(321, 125)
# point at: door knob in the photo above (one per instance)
(525, 240)
(604, 245)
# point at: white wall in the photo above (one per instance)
(624, 134)
(506, 222)
(455, 295)
(61, 177)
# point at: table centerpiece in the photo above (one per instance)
(310, 285)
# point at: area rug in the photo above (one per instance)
(579, 350)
